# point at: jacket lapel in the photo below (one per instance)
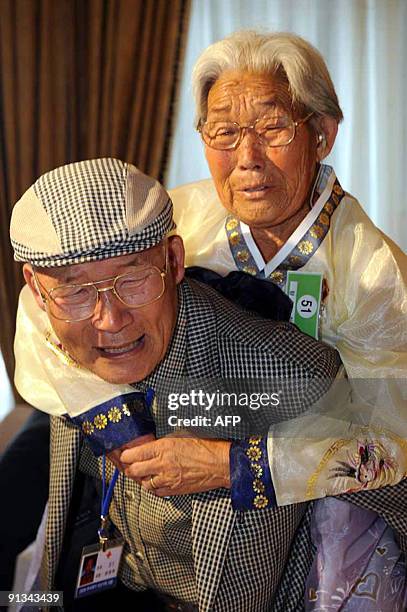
(64, 454)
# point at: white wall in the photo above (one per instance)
(364, 43)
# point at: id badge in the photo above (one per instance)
(304, 290)
(98, 568)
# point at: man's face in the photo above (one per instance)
(118, 343)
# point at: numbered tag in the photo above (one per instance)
(304, 290)
(98, 568)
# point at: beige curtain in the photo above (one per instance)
(81, 79)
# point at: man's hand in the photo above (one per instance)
(177, 465)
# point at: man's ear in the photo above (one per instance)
(176, 257)
(31, 281)
(327, 129)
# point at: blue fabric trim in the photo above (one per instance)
(250, 475)
(113, 423)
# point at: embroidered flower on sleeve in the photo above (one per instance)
(100, 421)
(260, 501)
(126, 410)
(256, 469)
(258, 486)
(114, 415)
(254, 453)
(87, 428)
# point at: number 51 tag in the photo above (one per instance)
(304, 290)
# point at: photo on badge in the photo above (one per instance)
(98, 568)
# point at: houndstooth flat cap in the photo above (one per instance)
(87, 211)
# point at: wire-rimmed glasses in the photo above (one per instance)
(139, 286)
(271, 130)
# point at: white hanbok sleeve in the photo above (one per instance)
(362, 444)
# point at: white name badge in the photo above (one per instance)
(98, 568)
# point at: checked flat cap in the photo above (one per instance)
(87, 211)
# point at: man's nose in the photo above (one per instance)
(110, 314)
(251, 151)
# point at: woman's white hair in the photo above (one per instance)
(272, 53)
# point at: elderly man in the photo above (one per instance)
(105, 273)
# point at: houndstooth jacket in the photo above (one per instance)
(261, 562)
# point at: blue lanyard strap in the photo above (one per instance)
(106, 499)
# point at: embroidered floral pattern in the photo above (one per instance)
(256, 469)
(238, 247)
(234, 238)
(277, 277)
(114, 415)
(87, 428)
(258, 486)
(295, 261)
(254, 453)
(370, 465)
(260, 501)
(305, 247)
(243, 256)
(324, 218)
(232, 224)
(316, 231)
(100, 421)
(126, 410)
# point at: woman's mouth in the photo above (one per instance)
(254, 191)
(258, 188)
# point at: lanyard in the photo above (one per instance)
(107, 496)
(106, 499)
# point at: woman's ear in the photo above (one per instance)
(327, 129)
(31, 281)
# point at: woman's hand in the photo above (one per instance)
(114, 456)
(177, 465)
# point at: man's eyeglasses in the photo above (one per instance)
(140, 286)
(271, 130)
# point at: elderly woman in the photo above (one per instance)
(268, 115)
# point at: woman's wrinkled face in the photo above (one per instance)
(262, 186)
